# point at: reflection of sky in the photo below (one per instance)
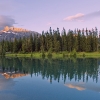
(36, 88)
(4, 83)
(7, 96)
(7, 88)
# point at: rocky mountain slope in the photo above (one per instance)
(9, 33)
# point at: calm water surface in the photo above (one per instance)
(49, 79)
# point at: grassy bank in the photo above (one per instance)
(56, 55)
(35, 55)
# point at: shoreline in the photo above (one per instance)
(55, 55)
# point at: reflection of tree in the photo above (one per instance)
(17, 64)
(53, 69)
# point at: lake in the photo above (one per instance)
(49, 79)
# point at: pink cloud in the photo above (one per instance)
(74, 17)
(49, 23)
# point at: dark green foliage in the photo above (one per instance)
(64, 40)
(2, 48)
(43, 55)
(24, 45)
(15, 46)
(31, 43)
(83, 54)
(49, 55)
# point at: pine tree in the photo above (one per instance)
(24, 45)
(64, 41)
(15, 44)
(31, 43)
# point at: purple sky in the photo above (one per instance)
(39, 15)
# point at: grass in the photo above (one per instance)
(34, 55)
(88, 54)
(56, 55)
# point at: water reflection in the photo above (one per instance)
(52, 69)
(13, 75)
(4, 84)
(78, 87)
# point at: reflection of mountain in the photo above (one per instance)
(15, 75)
(52, 69)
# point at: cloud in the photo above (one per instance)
(82, 17)
(6, 21)
(74, 17)
(48, 24)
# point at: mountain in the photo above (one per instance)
(9, 33)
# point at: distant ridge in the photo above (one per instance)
(9, 33)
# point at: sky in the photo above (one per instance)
(39, 15)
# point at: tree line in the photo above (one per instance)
(54, 41)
